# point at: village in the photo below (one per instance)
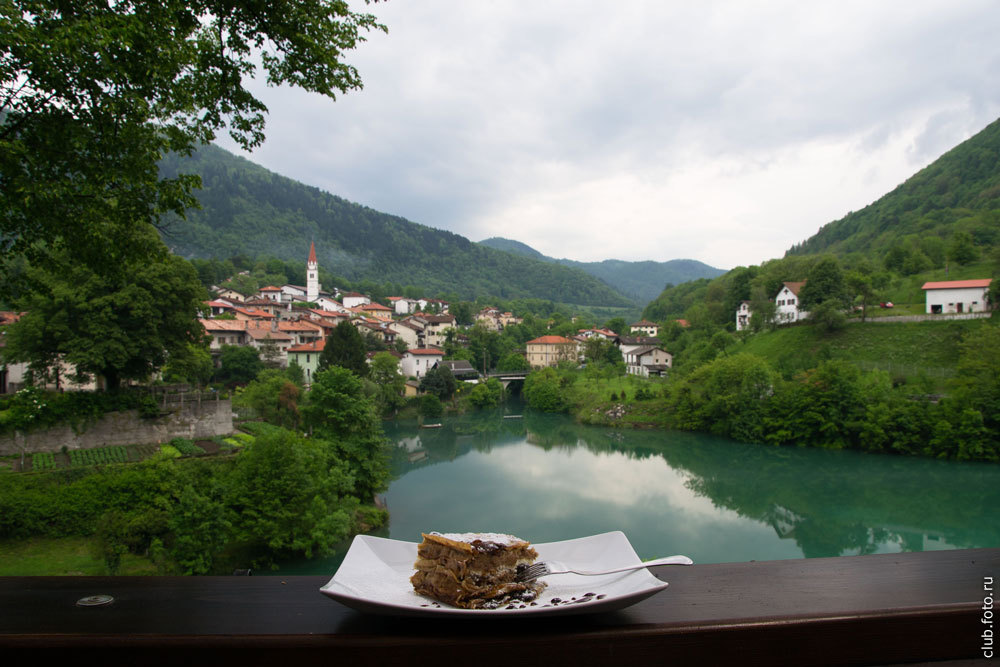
(289, 325)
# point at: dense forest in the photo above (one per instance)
(247, 210)
(642, 281)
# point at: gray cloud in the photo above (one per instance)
(722, 131)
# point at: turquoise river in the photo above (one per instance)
(544, 477)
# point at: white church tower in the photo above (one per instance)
(312, 274)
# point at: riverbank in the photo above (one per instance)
(799, 387)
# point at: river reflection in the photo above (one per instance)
(546, 478)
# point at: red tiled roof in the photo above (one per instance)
(374, 306)
(550, 340)
(314, 346)
(795, 287)
(223, 325)
(425, 351)
(957, 284)
(270, 288)
(312, 252)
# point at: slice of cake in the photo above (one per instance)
(474, 570)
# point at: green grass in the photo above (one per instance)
(905, 349)
(63, 556)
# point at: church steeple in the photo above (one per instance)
(312, 274)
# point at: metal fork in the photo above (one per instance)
(537, 570)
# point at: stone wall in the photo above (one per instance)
(190, 420)
(929, 318)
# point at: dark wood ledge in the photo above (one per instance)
(858, 610)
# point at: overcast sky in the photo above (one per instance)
(720, 131)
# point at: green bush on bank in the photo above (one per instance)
(32, 408)
(832, 403)
(283, 495)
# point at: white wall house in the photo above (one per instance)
(743, 316)
(416, 363)
(353, 299)
(331, 304)
(787, 304)
(647, 360)
(402, 305)
(956, 296)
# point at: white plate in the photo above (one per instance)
(375, 577)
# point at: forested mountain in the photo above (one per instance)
(248, 210)
(960, 191)
(943, 223)
(642, 281)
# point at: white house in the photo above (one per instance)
(787, 304)
(409, 331)
(293, 293)
(402, 305)
(645, 328)
(329, 303)
(628, 344)
(417, 362)
(647, 360)
(743, 316)
(353, 299)
(956, 296)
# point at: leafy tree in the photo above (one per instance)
(962, 249)
(618, 325)
(463, 313)
(487, 394)
(94, 93)
(599, 351)
(270, 353)
(762, 310)
(338, 410)
(430, 406)
(828, 316)
(345, 348)
(860, 285)
(391, 383)
(291, 494)
(190, 363)
(543, 391)
(238, 365)
(120, 327)
(512, 362)
(440, 382)
(273, 397)
(825, 282)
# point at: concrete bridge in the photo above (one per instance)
(508, 377)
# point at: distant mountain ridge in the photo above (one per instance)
(248, 210)
(642, 281)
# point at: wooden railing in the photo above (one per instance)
(859, 610)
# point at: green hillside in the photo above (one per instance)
(943, 223)
(642, 281)
(248, 210)
(960, 191)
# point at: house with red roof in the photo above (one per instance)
(306, 355)
(550, 350)
(416, 362)
(376, 311)
(787, 304)
(645, 328)
(956, 296)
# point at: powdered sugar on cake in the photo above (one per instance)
(495, 538)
